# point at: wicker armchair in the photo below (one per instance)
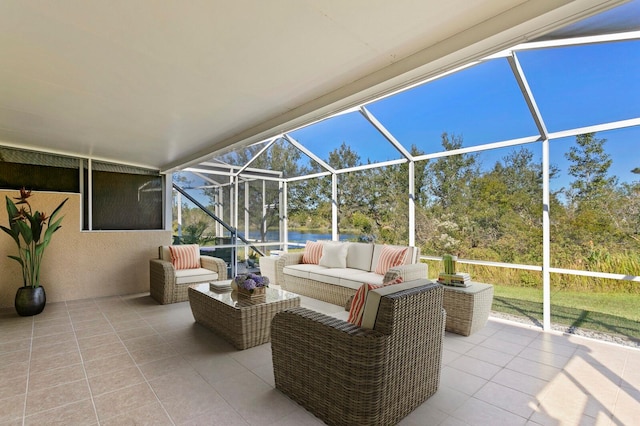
(347, 375)
(167, 285)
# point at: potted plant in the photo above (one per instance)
(32, 232)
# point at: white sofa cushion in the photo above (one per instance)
(302, 270)
(373, 299)
(359, 256)
(354, 281)
(334, 255)
(332, 275)
(184, 276)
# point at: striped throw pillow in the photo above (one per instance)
(312, 253)
(357, 304)
(185, 256)
(359, 300)
(390, 257)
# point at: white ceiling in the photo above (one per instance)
(163, 84)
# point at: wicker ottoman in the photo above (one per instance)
(242, 321)
(467, 307)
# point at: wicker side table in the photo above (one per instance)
(242, 321)
(467, 307)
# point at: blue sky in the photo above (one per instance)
(573, 86)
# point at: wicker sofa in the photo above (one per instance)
(169, 285)
(338, 285)
(348, 375)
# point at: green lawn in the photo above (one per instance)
(613, 313)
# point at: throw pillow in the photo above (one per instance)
(334, 255)
(312, 252)
(359, 299)
(390, 257)
(357, 304)
(185, 256)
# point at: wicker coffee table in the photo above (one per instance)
(244, 322)
(467, 307)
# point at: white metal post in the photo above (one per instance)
(412, 203)
(546, 240)
(334, 207)
(284, 211)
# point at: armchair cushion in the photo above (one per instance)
(188, 276)
(185, 256)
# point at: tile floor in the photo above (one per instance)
(128, 360)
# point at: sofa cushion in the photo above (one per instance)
(184, 276)
(359, 256)
(355, 280)
(372, 303)
(185, 256)
(332, 275)
(390, 257)
(312, 252)
(334, 255)
(301, 270)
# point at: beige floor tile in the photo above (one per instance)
(59, 348)
(547, 358)
(176, 365)
(107, 365)
(447, 400)
(14, 345)
(627, 407)
(476, 412)
(508, 399)
(49, 330)
(476, 367)
(112, 404)
(214, 368)
(115, 380)
(151, 415)
(423, 415)
(17, 386)
(103, 351)
(461, 381)
(14, 370)
(253, 357)
(12, 408)
(144, 342)
(534, 369)
(153, 353)
(94, 331)
(49, 398)
(76, 413)
(101, 339)
(53, 339)
(502, 345)
(65, 359)
(521, 382)
(491, 356)
(135, 332)
(187, 396)
(50, 378)
(457, 345)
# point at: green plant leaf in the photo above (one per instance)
(17, 259)
(56, 211)
(25, 231)
(36, 226)
(15, 235)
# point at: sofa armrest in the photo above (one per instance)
(284, 260)
(215, 264)
(161, 280)
(409, 272)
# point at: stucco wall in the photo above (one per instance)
(77, 264)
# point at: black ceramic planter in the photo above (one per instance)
(30, 300)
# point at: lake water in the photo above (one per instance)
(301, 236)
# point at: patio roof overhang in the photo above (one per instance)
(164, 86)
